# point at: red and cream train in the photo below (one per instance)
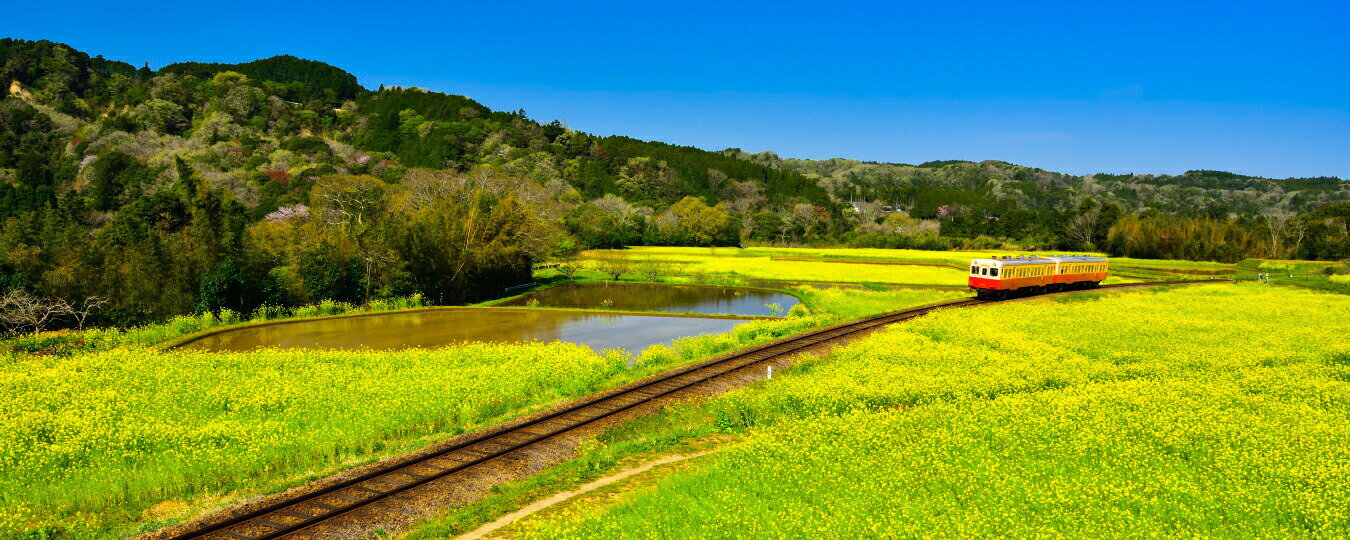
(1001, 277)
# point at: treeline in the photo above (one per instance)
(191, 248)
(1195, 193)
(1201, 215)
(1317, 235)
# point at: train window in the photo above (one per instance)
(984, 271)
(993, 272)
(974, 269)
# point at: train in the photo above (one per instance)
(1007, 276)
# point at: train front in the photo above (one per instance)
(984, 275)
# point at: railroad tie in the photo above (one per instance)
(271, 524)
(325, 506)
(435, 466)
(347, 497)
(416, 476)
(293, 513)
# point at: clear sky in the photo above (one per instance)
(1084, 86)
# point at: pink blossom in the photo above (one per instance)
(288, 212)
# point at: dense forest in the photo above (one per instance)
(129, 194)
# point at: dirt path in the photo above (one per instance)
(485, 530)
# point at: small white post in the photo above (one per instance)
(770, 375)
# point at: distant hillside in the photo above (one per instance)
(1195, 193)
(1201, 214)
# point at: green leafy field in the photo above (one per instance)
(1217, 410)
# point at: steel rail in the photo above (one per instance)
(305, 510)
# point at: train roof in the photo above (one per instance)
(1038, 259)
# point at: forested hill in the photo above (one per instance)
(1202, 214)
(202, 186)
(1195, 193)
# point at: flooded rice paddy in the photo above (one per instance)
(441, 327)
(667, 298)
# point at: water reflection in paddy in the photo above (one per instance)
(657, 297)
(435, 328)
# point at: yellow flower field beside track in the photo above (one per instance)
(117, 431)
(916, 256)
(881, 266)
(1212, 410)
(90, 442)
(766, 267)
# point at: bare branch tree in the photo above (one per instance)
(1082, 226)
(1300, 229)
(1276, 220)
(21, 311)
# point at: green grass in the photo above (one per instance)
(849, 304)
(1216, 410)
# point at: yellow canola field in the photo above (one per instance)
(83, 438)
(764, 267)
(91, 443)
(916, 256)
(895, 266)
(1216, 410)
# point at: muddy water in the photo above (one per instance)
(446, 327)
(667, 298)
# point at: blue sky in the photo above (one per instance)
(1256, 88)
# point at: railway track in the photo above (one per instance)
(293, 515)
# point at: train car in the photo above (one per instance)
(1001, 277)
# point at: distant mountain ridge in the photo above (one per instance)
(1197, 192)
